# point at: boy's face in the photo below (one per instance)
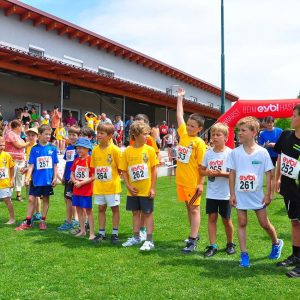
(218, 138)
(73, 137)
(82, 151)
(192, 127)
(245, 134)
(295, 120)
(142, 138)
(103, 137)
(2, 144)
(31, 137)
(44, 137)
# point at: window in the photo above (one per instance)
(106, 72)
(36, 51)
(73, 61)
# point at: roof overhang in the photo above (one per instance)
(62, 27)
(22, 62)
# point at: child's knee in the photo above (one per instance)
(266, 225)
(295, 224)
(102, 208)
(242, 223)
(212, 218)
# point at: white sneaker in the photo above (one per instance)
(131, 242)
(143, 235)
(147, 246)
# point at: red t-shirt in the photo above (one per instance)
(163, 129)
(82, 170)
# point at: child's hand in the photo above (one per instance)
(24, 170)
(63, 181)
(232, 200)
(54, 182)
(212, 173)
(277, 187)
(78, 184)
(133, 190)
(181, 92)
(12, 183)
(152, 193)
(267, 200)
(199, 190)
(26, 182)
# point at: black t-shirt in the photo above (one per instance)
(289, 144)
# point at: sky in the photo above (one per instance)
(262, 38)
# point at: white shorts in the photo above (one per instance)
(109, 200)
(5, 193)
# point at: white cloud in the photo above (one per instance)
(262, 39)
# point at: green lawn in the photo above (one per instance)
(55, 265)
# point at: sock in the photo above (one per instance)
(296, 251)
(44, 218)
(28, 220)
(136, 235)
(149, 237)
(143, 229)
(115, 231)
(102, 231)
(215, 246)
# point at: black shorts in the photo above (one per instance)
(38, 191)
(293, 209)
(68, 191)
(145, 204)
(218, 206)
(274, 160)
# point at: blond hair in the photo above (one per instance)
(220, 127)
(109, 129)
(250, 122)
(137, 128)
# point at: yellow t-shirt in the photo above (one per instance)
(91, 122)
(138, 163)
(60, 133)
(96, 122)
(6, 162)
(27, 151)
(106, 163)
(190, 153)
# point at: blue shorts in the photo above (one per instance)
(38, 191)
(82, 201)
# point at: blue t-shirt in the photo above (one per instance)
(271, 136)
(43, 159)
(69, 157)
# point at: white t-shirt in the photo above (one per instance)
(217, 187)
(250, 170)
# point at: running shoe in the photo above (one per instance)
(295, 273)
(143, 235)
(43, 225)
(230, 248)
(65, 226)
(74, 223)
(75, 230)
(197, 239)
(98, 238)
(147, 246)
(190, 247)
(245, 260)
(211, 251)
(24, 226)
(131, 242)
(292, 260)
(36, 217)
(114, 239)
(276, 250)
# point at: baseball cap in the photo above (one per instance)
(33, 129)
(83, 142)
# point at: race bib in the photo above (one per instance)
(103, 173)
(81, 173)
(138, 172)
(44, 162)
(3, 173)
(216, 164)
(70, 155)
(247, 183)
(183, 154)
(289, 166)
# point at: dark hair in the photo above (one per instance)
(297, 107)
(15, 124)
(140, 117)
(43, 128)
(198, 118)
(74, 129)
(87, 131)
(269, 119)
(25, 108)
(55, 106)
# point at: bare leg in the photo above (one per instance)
(194, 211)
(266, 225)
(115, 216)
(295, 233)
(228, 229)
(149, 222)
(102, 216)
(31, 205)
(81, 218)
(68, 210)
(45, 206)
(212, 227)
(242, 224)
(10, 208)
(89, 212)
(136, 221)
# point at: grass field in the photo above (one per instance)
(55, 265)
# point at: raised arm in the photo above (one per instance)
(179, 111)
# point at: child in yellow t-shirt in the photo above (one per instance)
(91, 119)
(139, 166)
(60, 136)
(190, 153)
(6, 180)
(106, 158)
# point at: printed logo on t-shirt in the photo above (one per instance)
(138, 172)
(103, 173)
(247, 183)
(289, 166)
(3, 173)
(44, 162)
